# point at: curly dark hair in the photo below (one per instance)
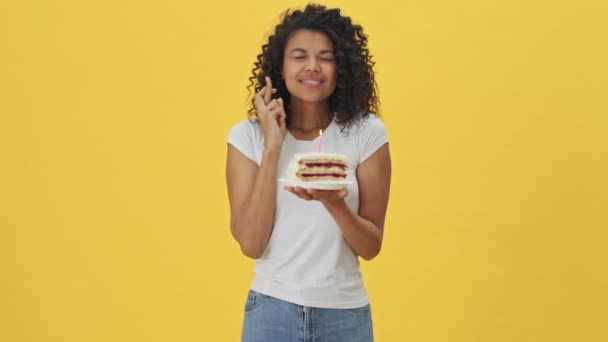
(355, 95)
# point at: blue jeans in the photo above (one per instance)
(268, 319)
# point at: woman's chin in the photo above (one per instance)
(309, 98)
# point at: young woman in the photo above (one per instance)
(315, 73)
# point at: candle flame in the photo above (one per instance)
(320, 132)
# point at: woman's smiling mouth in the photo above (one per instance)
(311, 83)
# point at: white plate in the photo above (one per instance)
(320, 185)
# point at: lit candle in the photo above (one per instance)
(319, 142)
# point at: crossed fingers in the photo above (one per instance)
(263, 96)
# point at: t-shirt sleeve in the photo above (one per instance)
(242, 137)
(371, 136)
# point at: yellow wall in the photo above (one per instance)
(113, 208)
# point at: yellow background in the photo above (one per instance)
(113, 208)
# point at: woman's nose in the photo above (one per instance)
(313, 65)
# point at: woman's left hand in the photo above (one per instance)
(324, 196)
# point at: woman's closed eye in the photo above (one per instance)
(324, 59)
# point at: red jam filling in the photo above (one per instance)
(327, 164)
(336, 175)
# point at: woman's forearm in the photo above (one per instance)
(252, 224)
(363, 236)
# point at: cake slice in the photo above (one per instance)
(314, 167)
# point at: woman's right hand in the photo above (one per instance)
(271, 115)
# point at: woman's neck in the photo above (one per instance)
(309, 116)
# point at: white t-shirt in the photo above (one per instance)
(307, 261)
